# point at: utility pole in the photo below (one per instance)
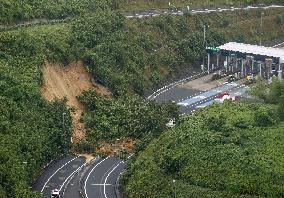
(204, 44)
(174, 181)
(63, 121)
(261, 24)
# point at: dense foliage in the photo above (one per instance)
(140, 54)
(229, 150)
(125, 55)
(16, 11)
(270, 93)
(31, 129)
(126, 116)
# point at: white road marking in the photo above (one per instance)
(108, 176)
(201, 97)
(101, 184)
(90, 174)
(56, 172)
(72, 174)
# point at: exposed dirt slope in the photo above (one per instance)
(69, 81)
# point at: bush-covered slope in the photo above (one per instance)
(31, 130)
(16, 11)
(224, 151)
(146, 52)
(124, 117)
(137, 55)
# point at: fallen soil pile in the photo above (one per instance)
(70, 81)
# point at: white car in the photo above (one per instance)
(55, 194)
(171, 123)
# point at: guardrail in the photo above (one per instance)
(182, 81)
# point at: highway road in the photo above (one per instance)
(57, 174)
(181, 11)
(196, 93)
(100, 180)
(207, 98)
(74, 178)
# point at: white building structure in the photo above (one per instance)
(243, 53)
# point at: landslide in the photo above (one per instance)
(69, 82)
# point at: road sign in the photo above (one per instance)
(214, 49)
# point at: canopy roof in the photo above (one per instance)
(254, 49)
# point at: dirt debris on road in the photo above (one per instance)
(116, 147)
(69, 81)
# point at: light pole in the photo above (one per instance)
(174, 181)
(63, 121)
(204, 45)
(261, 24)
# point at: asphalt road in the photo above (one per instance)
(57, 175)
(181, 11)
(238, 90)
(101, 178)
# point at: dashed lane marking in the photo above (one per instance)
(101, 185)
(108, 176)
(57, 171)
(85, 185)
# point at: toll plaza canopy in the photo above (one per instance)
(259, 51)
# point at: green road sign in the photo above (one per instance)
(214, 49)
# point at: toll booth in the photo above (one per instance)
(244, 59)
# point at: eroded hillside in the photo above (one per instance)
(69, 81)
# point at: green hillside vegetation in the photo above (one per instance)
(128, 56)
(140, 54)
(146, 52)
(30, 128)
(125, 116)
(226, 150)
(151, 4)
(17, 11)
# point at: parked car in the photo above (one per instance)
(222, 94)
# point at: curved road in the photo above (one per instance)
(74, 178)
(100, 180)
(57, 175)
